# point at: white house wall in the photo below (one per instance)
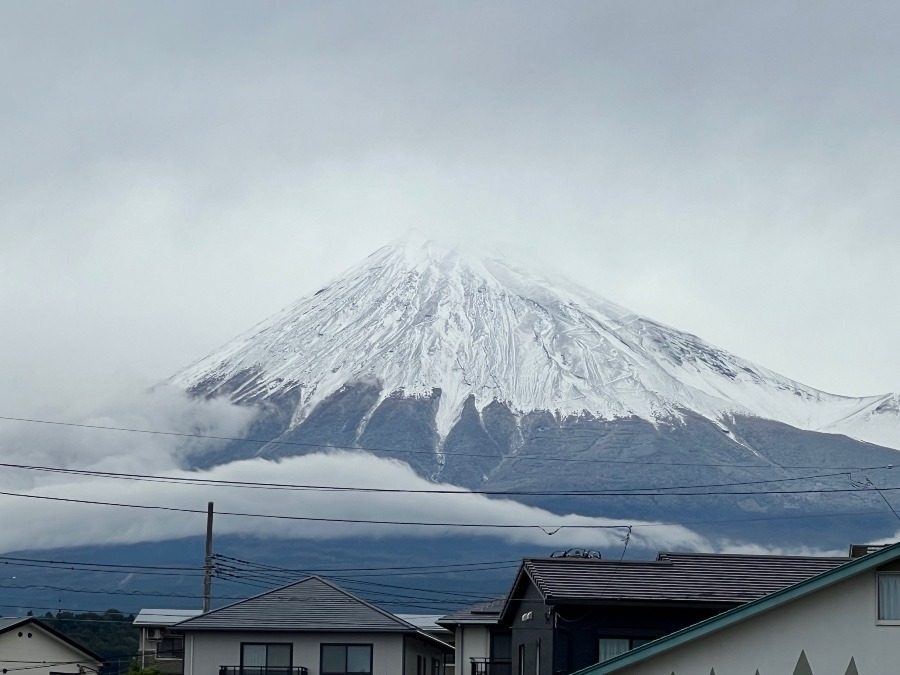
(39, 652)
(471, 642)
(830, 627)
(205, 652)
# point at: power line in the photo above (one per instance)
(109, 565)
(42, 565)
(71, 500)
(68, 589)
(455, 491)
(415, 452)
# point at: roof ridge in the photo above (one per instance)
(252, 597)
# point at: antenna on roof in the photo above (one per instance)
(576, 553)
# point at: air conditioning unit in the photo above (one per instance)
(155, 633)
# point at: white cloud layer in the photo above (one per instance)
(50, 524)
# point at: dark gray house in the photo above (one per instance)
(311, 627)
(568, 613)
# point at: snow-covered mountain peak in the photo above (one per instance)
(418, 318)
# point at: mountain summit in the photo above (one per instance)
(423, 322)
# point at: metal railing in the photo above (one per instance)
(262, 670)
(482, 666)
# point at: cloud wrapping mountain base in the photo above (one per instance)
(72, 523)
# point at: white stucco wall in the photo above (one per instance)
(42, 647)
(206, 651)
(830, 626)
(471, 641)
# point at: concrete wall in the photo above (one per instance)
(36, 646)
(830, 627)
(204, 652)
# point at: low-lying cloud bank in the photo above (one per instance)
(45, 524)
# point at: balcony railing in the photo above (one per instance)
(262, 670)
(491, 666)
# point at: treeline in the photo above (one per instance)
(111, 634)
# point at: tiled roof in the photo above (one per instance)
(425, 622)
(672, 577)
(482, 612)
(164, 617)
(8, 622)
(820, 582)
(309, 605)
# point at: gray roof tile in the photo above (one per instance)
(673, 577)
(312, 605)
(487, 611)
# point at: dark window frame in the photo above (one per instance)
(170, 647)
(323, 645)
(266, 645)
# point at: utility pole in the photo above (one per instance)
(208, 565)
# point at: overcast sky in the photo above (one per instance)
(172, 173)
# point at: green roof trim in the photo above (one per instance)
(744, 612)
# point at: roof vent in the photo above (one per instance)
(576, 553)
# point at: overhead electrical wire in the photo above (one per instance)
(321, 446)
(260, 485)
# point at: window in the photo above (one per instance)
(889, 597)
(339, 659)
(610, 647)
(262, 658)
(170, 648)
(435, 666)
(421, 665)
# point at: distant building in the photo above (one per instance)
(158, 646)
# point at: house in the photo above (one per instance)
(428, 623)
(311, 627)
(157, 645)
(481, 644)
(27, 644)
(844, 620)
(567, 613)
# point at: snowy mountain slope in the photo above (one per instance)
(418, 320)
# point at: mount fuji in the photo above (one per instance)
(481, 374)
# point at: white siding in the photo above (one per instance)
(471, 642)
(18, 652)
(830, 626)
(206, 651)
